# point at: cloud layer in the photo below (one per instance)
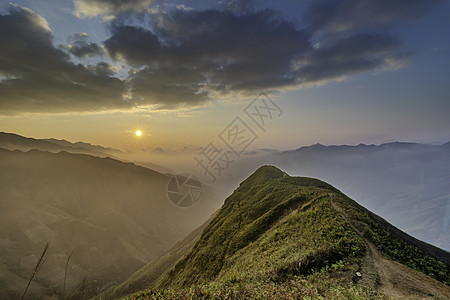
(92, 8)
(81, 47)
(219, 51)
(356, 15)
(190, 53)
(37, 77)
(181, 56)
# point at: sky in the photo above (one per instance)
(184, 72)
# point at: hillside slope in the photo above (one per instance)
(155, 270)
(113, 216)
(280, 237)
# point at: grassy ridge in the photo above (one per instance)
(253, 208)
(280, 237)
(298, 246)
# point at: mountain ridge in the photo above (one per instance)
(12, 141)
(367, 147)
(297, 236)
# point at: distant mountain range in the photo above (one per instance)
(11, 141)
(83, 145)
(283, 237)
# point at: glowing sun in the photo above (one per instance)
(138, 133)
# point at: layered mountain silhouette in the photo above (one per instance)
(11, 141)
(283, 237)
(112, 216)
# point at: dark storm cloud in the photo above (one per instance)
(349, 15)
(103, 69)
(220, 51)
(137, 46)
(81, 47)
(223, 51)
(357, 53)
(37, 77)
(168, 87)
(215, 37)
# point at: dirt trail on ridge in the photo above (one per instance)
(391, 278)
